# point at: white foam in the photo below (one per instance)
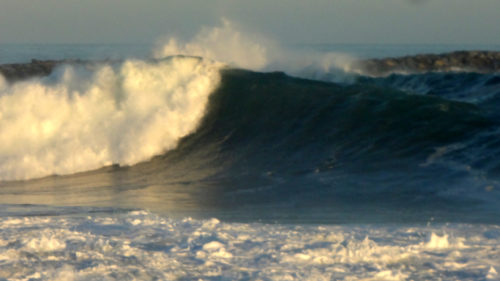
(81, 118)
(492, 274)
(438, 242)
(143, 246)
(45, 243)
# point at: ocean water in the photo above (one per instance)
(248, 161)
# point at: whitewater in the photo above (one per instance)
(108, 114)
(230, 157)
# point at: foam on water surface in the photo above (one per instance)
(140, 245)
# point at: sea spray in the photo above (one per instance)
(231, 44)
(81, 118)
(225, 43)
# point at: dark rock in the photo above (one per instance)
(19, 71)
(473, 61)
(36, 68)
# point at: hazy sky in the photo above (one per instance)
(288, 21)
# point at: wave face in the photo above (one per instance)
(84, 117)
(306, 145)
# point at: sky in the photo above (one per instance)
(286, 21)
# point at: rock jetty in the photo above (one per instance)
(470, 61)
(19, 71)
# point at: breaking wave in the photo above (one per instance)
(227, 132)
(85, 117)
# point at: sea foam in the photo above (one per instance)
(85, 117)
(140, 245)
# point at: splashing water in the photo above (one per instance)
(84, 118)
(222, 43)
(229, 44)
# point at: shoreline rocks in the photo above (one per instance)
(19, 71)
(36, 68)
(471, 61)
